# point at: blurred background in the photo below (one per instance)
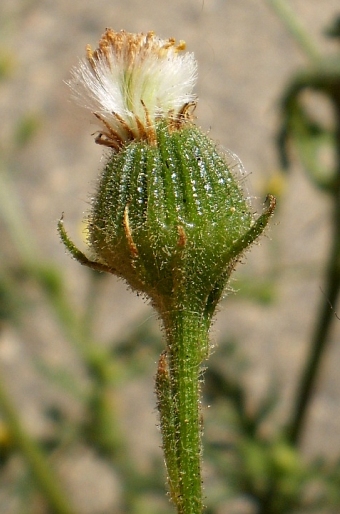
(78, 350)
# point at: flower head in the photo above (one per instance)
(168, 216)
(131, 81)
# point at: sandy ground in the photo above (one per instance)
(245, 58)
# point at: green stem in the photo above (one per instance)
(41, 470)
(301, 36)
(11, 212)
(318, 344)
(324, 322)
(187, 336)
(167, 420)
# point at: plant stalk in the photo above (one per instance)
(301, 36)
(331, 292)
(178, 390)
(41, 471)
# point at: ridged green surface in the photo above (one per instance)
(185, 210)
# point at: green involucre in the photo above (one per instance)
(171, 218)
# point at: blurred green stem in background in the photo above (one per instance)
(101, 428)
(326, 81)
(42, 473)
(323, 76)
(295, 27)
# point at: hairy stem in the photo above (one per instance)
(178, 389)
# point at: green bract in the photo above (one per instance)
(171, 219)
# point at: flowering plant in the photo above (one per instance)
(169, 217)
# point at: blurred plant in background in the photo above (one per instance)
(263, 468)
(271, 471)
